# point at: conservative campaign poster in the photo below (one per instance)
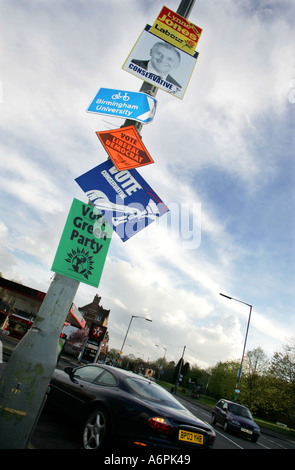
(157, 62)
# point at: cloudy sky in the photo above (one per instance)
(223, 154)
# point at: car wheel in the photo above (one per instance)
(213, 419)
(225, 427)
(95, 430)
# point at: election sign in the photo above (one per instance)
(157, 62)
(124, 198)
(124, 146)
(177, 30)
(124, 104)
(84, 244)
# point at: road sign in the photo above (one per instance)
(126, 200)
(124, 146)
(84, 244)
(124, 104)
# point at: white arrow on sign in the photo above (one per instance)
(124, 104)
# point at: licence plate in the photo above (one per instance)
(246, 430)
(189, 436)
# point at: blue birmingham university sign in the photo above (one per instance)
(124, 104)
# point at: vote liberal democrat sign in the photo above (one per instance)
(125, 199)
(84, 244)
(124, 146)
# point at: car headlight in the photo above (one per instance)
(235, 422)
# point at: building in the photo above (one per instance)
(95, 313)
(19, 306)
(75, 318)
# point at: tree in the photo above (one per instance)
(223, 379)
(282, 372)
(112, 355)
(78, 336)
(253, 382)
(283, 363)
(256, 362)
(168, 372)
(199, 377)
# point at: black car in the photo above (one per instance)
(235, 418)
(119, 407)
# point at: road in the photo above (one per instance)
(230, 441)
(55, 431)
(68, 437)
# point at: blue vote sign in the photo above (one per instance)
(124, 198)
(124, 104)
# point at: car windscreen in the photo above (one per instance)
(239, 411)
(152, 391)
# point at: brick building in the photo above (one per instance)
(95, 313)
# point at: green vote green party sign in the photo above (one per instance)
(84, 244)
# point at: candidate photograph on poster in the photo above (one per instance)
(160, 63)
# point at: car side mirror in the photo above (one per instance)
(69, 371)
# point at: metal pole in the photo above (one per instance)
(180, 366)
(245, 341)
(28, 372)
(163, 359)
(133, 316)
(126, 334)
(185, 8)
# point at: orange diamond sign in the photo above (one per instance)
(124, 146)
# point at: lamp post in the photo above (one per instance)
(165, 349)
(237, 391)
(133, 316)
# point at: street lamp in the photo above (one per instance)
(241, 365)
(165, 349)
(133, 316)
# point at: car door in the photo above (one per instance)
(220, 412)
(224, 413)
(77, 389)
